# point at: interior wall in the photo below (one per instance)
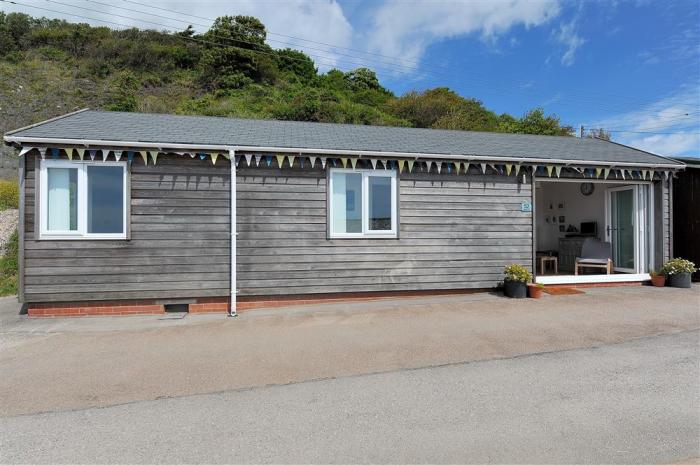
(577, 208)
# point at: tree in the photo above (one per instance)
(599, 133)
(536, 122)
(122, 92)
(241, 31)
(296, 62)
(362, 79)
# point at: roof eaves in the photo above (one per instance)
(40, 123)
(673, 160)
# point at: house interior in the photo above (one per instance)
(575, 219)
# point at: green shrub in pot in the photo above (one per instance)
(678, 271)
(515, 281)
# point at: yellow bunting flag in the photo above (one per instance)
(410, 165)
(353, 162)
(344, 161)
(214, 156)
(550, 168)
(557, 171)
(154, 157)
(509, 168)
(280, 160)
(69, 153)
(143, 154)
(606, 172)
(401, 163)
(597, 172)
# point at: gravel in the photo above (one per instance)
(8, 225)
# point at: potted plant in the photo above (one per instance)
(678, 271)
(657, 278)
(515, 282)
(534, 290)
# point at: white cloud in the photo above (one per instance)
(406, 29)
(669, 126)
(568, 36)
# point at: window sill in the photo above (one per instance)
(120, 237)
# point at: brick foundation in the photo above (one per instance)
(100, 308)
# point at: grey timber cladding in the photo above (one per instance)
(455, 233)
(203, 130)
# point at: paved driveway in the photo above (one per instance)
(63, 364)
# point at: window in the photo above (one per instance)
(362, 203)
(83, 200)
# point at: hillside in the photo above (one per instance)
(50, 67)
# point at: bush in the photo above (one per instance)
(9, 194)
(677, 265)
(517, 273)
(8, 267)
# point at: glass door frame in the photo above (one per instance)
(643, 219)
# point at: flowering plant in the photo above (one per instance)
(517, 273)
(677, 265)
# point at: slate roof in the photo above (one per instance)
(176, 129)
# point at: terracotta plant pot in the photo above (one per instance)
(658, 280)
(515, 289)
(534, 291)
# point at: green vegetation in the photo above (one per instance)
(516, 272)
(8, 267)
(50, 67)
(9, 194)
(677, 265)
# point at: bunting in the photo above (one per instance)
(118, 154)
(651, 175)
(483, 168)
(257, 160)
(323, 163)
(144, 155)
(214, 156)
(24, 150)
(344, 161)
(249, 158)
(410, 165)
(373, 161)
(509, 168)
(312, 160)
(69, 154)
(401, 163)
(130, 156)
(290, 160)
(55, 152)
(439, 167)
(598, 171)
(557, 171)
(268, 160)
(550, 168)
(42, 152)
(93, 154)
(606, 172)
(666, 175)
(154, 157)
(301, 162)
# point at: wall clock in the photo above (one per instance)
(587, 188)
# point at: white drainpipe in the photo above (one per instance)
(232, 311)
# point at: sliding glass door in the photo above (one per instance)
(627, 228)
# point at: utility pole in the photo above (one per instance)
(582, 131)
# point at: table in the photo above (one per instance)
(547, 259)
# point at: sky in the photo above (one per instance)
(630, 67)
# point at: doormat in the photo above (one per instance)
(562, 291)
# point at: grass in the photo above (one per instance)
(9, 194)
(8, 267)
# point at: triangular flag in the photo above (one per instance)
(550, 168)
(290, 159)
(509, 168)
(430, 165)
(483, 168)
(69, 153)
(257, 160)
(353, 162)
(280, 160)
(439, 166)
(344, 161)
(597, 172)
(323, 163)
(517, 169)
(24, 150)
(105, 155)
(55, 152)
(534, 169)
(118, 154)
(154, 157)
(301, 162)
(202, 155)
(401, 163)
(312, 160)
(606, 173)
(373, 161)
(144, 155)
(42, 152)
(249, 158)
(214, 156)
(651, 175)
(466, 168)
(268, 160)
(410, 165)
(93, 153)
(557, 171)
(622, 172)
(385, 164)
(130, 156)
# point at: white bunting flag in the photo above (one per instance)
(344, 161)
(651, 175)
(248, 158)
(312, 160)
(323, 162)
(430, 165)
(257, 160)
(118, 154)
(439, 167)
(105, 155)
(483, 168)
(534, 169)
(154, 157)
(410, 165)
(606, 173)
(373, 161)
(42, 152)
(290, 160)
(557, 171)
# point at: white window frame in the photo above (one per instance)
(366, 232)
(82, 231)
